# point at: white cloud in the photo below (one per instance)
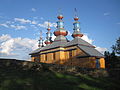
(106, 14)
(33, 22)
(45, 24)
(87, 39)
(4, 25)
(17, 27)
(53, 37)
(18, 48)
(4, 37)
(102, 50)
(69, 33)
(33, 9)
(22, 20)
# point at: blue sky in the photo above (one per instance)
(100, 21)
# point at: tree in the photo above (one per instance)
(116, 47)
(107, 59)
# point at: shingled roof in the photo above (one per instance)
(90, 51)
(35, 51)
(55, 45)
(83, 45)
(79, 41)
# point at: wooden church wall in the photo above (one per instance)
(68, 57)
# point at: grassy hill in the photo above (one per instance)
(21, 75)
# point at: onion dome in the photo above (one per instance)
(76, 28)
(40, 41)
(60, 27)
(76, 18)
(60, 17)
(48, 38)
(48, 29)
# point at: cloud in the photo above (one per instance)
(87, 39)
(53, 37)
(22, 20)
(106, 14)
(33, 22)
(33, 9)
(4, 25)
(22, 23)
(102, 50)
(18, 48)
(4, 37)
(18, 27)
(45, 24)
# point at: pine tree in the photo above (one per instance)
(116, 47)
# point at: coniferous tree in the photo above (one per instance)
(116, 47)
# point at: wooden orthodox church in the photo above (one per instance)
(76, 52)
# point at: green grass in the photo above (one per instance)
(16, 78)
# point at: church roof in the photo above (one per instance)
(35, 51)
(90, 51)
(60, 38)
(83, 45)
(54, 45)
(78, 40)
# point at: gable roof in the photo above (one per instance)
(83, 45)
(90, 51)
(78, 41)
(35, 51)
(55, 45)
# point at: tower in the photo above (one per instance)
(40, 41)
(48, 37)
(60, 32)
(76, 28)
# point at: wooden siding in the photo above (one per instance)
(63, 57)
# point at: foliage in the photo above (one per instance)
(116, 47)
(112, 61)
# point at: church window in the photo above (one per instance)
(36, 59)
(45, 57)
(53, 56)
(70, 54)
(97, 63)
